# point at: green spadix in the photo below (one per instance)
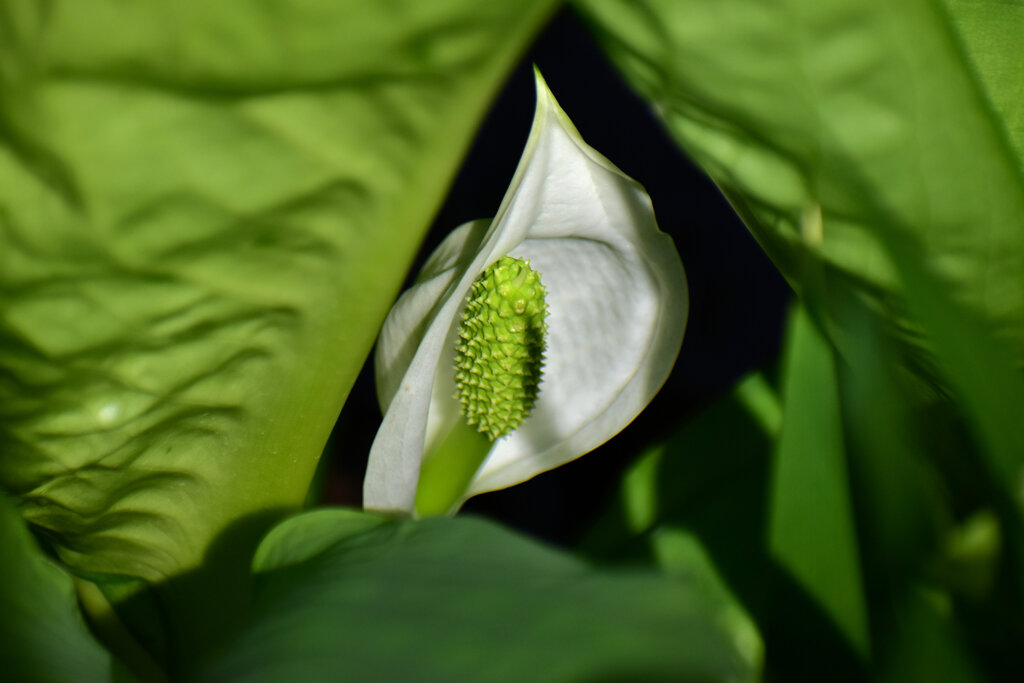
(499, 358)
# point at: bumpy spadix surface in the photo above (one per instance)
(499, 357)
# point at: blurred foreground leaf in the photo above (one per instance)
(43, 638)
(979, 368)
(206, 209)
(464, 599)
(987, 387)
(989, 30)
(906, 510)
(784, 103)
(926, 646)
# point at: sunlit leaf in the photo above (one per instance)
(894, 473)
(205, 211)
(991, 31)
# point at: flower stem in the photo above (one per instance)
(448, 470)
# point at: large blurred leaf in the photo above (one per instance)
(989, 389)
(783, 102)
(898, 487)
(991, 31)
(42, 635)
(205, 211)
(905, 510)
(979, 369)
(927, 647)
(464, 600)
(812, 529)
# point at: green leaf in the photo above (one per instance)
(875, 151)
(711, 482)
(979, 368)
(464, 599)
(893, 444)
(783, 103)
(681, 554)
(730, 439)
(710, 477)
(812, 530)
(983, 377)
(991, 31)
(926, 646)
(42, 635)
(206, 209)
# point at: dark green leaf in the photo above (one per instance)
(812, 529)
(894, 469)
(985, 380)
(979, 368)
(926, 646)
(463, 599)
(43, 637)
(726, 443)
(711, 482)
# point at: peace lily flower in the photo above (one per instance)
(547, 370)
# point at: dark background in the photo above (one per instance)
(737, 298)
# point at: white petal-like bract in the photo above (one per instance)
(617, 302)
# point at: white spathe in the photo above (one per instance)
(617, 302)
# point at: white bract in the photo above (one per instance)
(617, 306)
